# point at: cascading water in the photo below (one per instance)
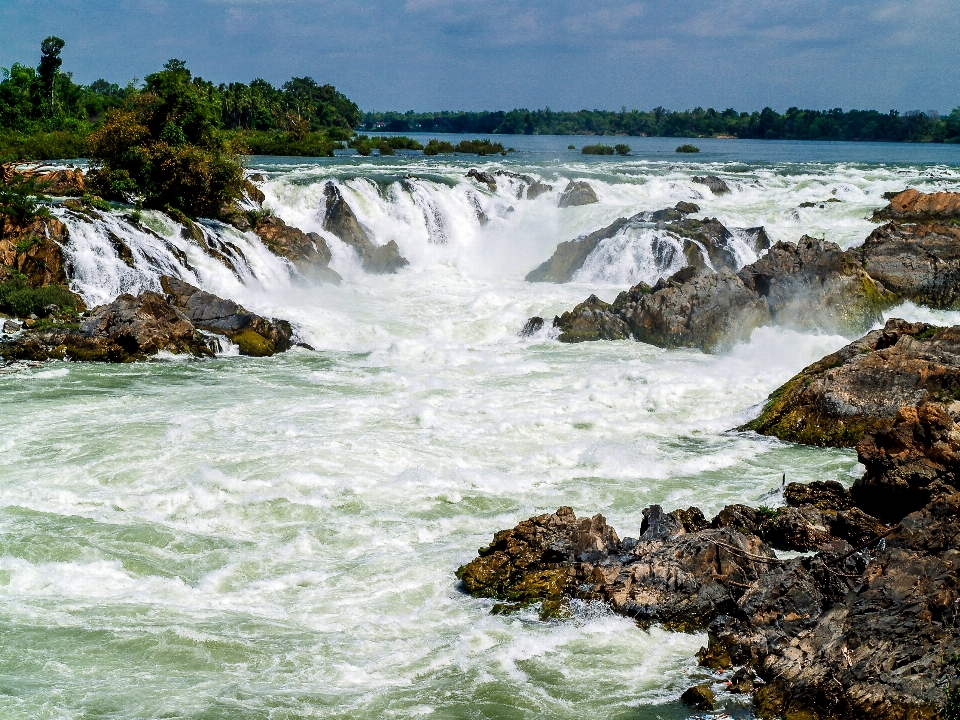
(277, 537)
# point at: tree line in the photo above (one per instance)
(768, 124)
(45, 114)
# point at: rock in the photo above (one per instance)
(252, 192)
(914, 206)
(35, 249)
(570, 256)
(532, 327)
(830, 496)
(699, 697)
(307, 251)
(130, 328)
(860, 388)
(756, 238)
(591, 320)
(918, 262)
(814, 285)
(917, 455)
(706, 243)
(796, 529)
(743, 681)
(483, 178)
(340, 220)
(11, 326)
(66, 181)
(693, 309)
(533, 187)
(577, 193)
(686, 208)
(716, 185)
(254, 334)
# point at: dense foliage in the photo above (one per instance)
(794, 124)
(471, 147)
(44, 114)
(19, 299)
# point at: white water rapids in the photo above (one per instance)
(276, 538)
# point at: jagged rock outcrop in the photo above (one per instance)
(916, 261)
(130, 328)
(860, 388)
(34, 248)
(65, 181)
(484, 178)
(253, 334)
(811, 285)
(307, 251)
(814, 285)
(706, 243)
(577, 193)
(591, 320)
(914, 206)
(717, 186)
(529, 186)
(340, 220)
(853, 631)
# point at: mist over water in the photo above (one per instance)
(276, 538)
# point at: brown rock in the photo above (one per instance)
(591, 320)
(308, 251)
(699, 697)
(912, 205)
(35, 249)
(340, 220)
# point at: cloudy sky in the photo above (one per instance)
(500, 54)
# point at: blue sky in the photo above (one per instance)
(500, 54)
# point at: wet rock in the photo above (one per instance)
(255, 335)
(340, 220)
(814, 285)
(577, 193)
(591, 320)
(756, 238)
(716, 185)
(529, 186)
(914, 206)
(130, 328)
(708, 311)
(742, 682)
(686, 208)
(860, 388)
(65, 181)
(483, 178)
(531, 327)
(699, 697)
(11, 326)
(307, 251)
(829, 496)
(251, 191)
(570, 256)
(918, 262)
(917, 455)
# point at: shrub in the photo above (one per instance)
(622, 149)
(767, 512)
(598, 149)
(687, 148)
(571, 147)
(312, 144)
(21, 300)
(467, 147)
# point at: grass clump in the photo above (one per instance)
(598, 149)
(768, 513)
(466, 147)
(622, 149)
(688, 148)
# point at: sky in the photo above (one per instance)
(429, 55)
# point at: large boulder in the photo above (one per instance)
(706, 244)
(591, 320)
(577, 193)
(814, 285)
(34, 248)
(307, 251)
(916, 261)
(253, 334)
(860, 388)
(340, 220)
(527, 186)
(130, 328)
(717, 186)
(914, 206)
(710, 311)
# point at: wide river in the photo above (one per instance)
(277, 538)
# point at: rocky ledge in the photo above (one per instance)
(864, 627)
(811, 285)
(706, 244)
(137, 327)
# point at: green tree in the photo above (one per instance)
(50, 62)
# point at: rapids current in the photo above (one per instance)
(276, 538)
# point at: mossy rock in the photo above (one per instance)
(253, 344)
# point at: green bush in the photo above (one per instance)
(571, 147)
(467, 147)
(314, 144)
(687, 148)
(622, 149)
(598, 149)
(21, 300)
(18, 202)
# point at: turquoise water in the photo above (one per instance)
(277, 538)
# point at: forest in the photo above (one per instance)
(768, 124)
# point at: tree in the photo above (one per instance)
(50, 62)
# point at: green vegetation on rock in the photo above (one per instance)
(467, 147)
(688, 148)
(19, 299)
(598, 149)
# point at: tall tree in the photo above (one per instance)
(50, 62)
